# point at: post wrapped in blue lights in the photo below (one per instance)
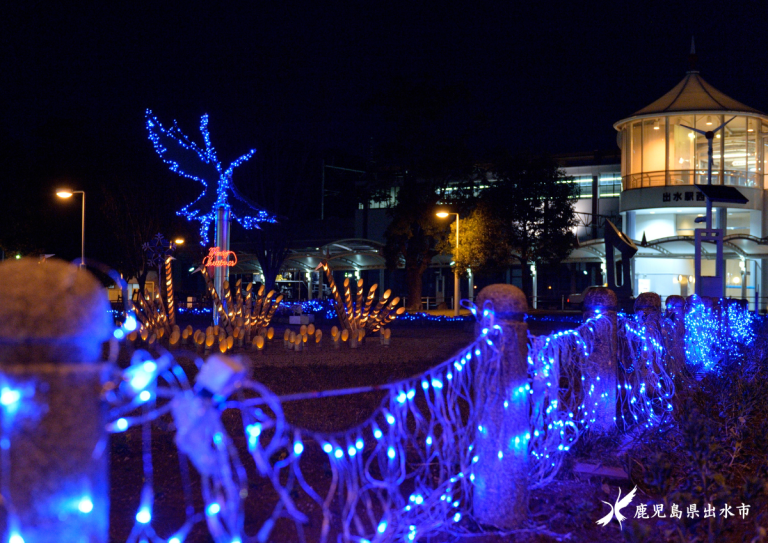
(502, 401)
(602, 301)
(53, 444)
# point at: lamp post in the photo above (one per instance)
(443, 215)
(66, 193)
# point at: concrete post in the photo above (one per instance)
(673, 330)
(501, 446)
(601, 406)
(54, 471)
(648, 307)
(648, 311)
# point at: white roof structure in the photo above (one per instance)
(695, 94)
(734, 246)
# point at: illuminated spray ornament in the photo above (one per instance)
(157, 250)
(201, 164)
(360, 312)
(153, 313)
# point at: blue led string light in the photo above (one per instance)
(175, 148)
(420, 438)
(562, 398)
(713, 335)
(645, 386)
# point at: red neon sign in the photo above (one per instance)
(218, 259)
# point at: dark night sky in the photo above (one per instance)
(546, 76)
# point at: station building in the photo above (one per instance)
(661, 159)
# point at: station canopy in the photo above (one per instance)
(343, 255)
(734, 246)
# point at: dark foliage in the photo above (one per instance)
(713, 451)
(531, 205)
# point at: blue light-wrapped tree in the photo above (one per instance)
(220, 202)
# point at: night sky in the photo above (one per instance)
(77, 78)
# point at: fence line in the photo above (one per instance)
(420, 463)
(410, 469)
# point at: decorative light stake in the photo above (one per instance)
(359, 315)
(159, 251)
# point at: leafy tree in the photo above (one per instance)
(481, 248)
(429, 152)
(411, 236)
(531, 205)
(282, 181)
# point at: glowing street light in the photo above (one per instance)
(66, 193)
(179, 241)
(443, 215)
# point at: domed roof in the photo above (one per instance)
(695, 94)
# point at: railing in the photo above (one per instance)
(675, 178)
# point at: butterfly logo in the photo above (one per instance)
(616, 508)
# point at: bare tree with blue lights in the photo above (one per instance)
(220, 202)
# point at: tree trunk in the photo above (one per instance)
(526, 278)
(414, 277)
(142, 279)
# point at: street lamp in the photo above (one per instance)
(443, 215)
(66, 193)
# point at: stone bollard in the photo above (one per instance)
(673, 330)
(501, 471)
(53, 321)
(602, 406)
(648, 307)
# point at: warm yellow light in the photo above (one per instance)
(442, 214)
(709, 121)
(179, 241)
(64, 193)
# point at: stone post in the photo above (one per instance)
(648, 311)
(501, 446)
(674, 334)
(54, 447)
(601, 406)
(648, 307)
